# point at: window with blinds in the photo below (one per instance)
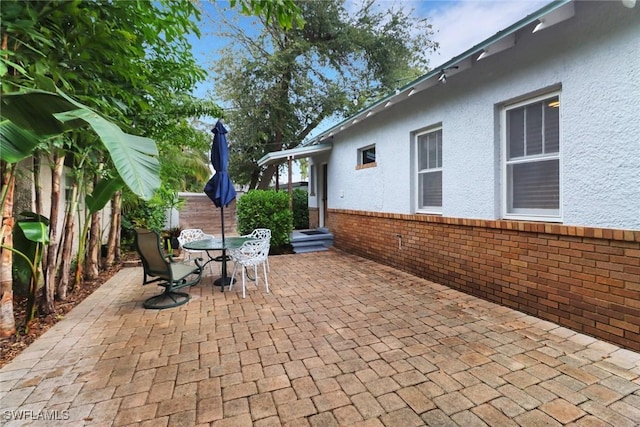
(429, 170)
(533, 157)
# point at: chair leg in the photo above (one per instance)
(266, 280)
(233, 274)
(255, 273)
(244, 283)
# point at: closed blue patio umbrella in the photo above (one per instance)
(220, 188)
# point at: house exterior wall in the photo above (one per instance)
(600, 148)
(583, 270)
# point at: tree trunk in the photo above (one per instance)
(118, 248)
(91, 262)
(114, 229)
(37, 191)
(91, 267)
(37, 194)
(23, 191)
(7, 320)
(47, 304)
(266, 177)
(67, 244)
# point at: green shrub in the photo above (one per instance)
(266, 209)
(300, 209)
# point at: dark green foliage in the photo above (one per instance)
(141, 215)
(22, 272)
(300, 209)
(266, 209)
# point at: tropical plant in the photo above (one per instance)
(32, 236)
(29, 118)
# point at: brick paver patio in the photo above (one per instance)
(339, 341)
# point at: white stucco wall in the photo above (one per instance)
(593, 58)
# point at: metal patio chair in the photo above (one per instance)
(190, 235)
(163, 270)
(252, 253)
(262, 234)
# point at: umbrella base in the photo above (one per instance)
(223, 281)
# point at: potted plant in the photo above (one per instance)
(171, 238)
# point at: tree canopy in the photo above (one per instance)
(281, 84)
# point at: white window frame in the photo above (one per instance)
(531, 214)
(437, 210)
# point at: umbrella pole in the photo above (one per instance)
(223, 279)
(222, 221)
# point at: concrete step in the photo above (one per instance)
(305, 249)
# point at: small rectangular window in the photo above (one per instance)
(366, 157)
(429, 170)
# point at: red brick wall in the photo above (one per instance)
(587, 279)
(200, 212)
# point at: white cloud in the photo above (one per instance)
(461, 25)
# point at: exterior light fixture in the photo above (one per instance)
(559, 15)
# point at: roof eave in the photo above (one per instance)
(453, 66)
(275, 157)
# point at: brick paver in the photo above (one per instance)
(340, 340)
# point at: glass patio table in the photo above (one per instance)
(214, 245)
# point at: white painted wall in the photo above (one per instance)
(595, 59)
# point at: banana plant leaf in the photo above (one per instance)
(47, 113)
(102, 193)
(135, 157)
(35, 231)
(34, 110)
(30, 234)
(16, 143)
